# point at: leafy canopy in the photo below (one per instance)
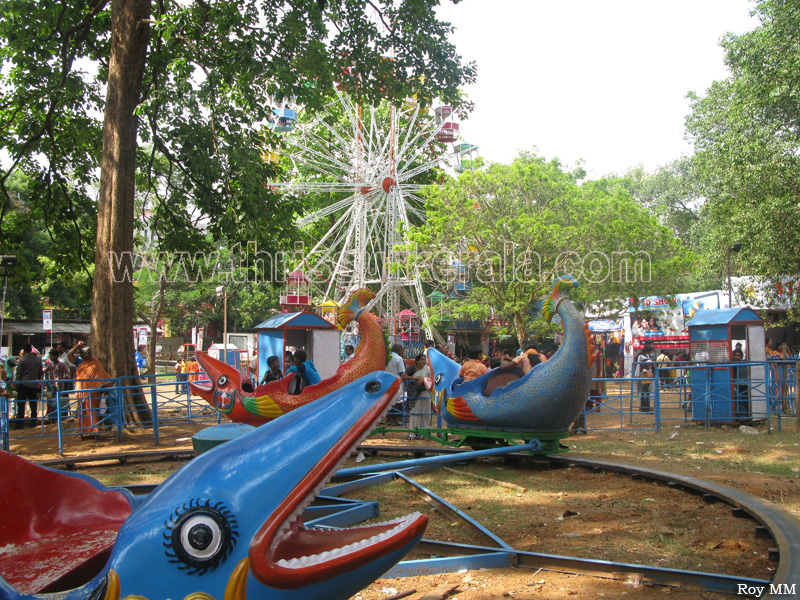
(213, 73)
(509, 229)
(746, 131)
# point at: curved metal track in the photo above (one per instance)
(773, 521)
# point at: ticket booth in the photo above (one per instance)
(723, 392)
(318, 337)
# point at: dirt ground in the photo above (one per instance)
(571, 512)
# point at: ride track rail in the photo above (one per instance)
(773, 521)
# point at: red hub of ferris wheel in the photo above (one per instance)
(387, 184)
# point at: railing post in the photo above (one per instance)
(657, 398)
(768, 384)
(797, 396)
(154, 410)
(59, 424)
(4, 421)
(119, 409)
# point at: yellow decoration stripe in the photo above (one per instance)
(263, 407)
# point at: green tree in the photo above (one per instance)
(746, 131)
(514, 227)
(192, 80)
(672, 194)
(45, 272)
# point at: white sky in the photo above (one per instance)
(600, 80)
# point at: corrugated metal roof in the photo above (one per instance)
(34, 327)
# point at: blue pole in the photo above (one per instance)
(59, 424)
(154, 402)
(4, 421)
(533, 446)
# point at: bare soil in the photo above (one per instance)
(571, 512)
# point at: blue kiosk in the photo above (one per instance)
(722, 392)
(295, 330)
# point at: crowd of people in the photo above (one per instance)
(27, 382)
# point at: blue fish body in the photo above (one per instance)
(547, 399)
(228, 524)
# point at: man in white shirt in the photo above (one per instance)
(397, 367)
(349, 352)
(396, 364)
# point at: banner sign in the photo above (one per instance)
(47, 320)
(605, 325)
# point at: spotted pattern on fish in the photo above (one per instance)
(546, 399)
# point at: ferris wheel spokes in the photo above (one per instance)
(327, 162)
(371, 156)
(326, 211)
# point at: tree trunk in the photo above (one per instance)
(152, 321)
(112, 305)
(519, 328)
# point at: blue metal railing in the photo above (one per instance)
(678, 393)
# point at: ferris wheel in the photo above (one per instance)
(371, 159)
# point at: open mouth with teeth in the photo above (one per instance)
(286, 554)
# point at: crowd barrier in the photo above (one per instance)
(677, 393)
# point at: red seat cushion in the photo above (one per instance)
(56, 529)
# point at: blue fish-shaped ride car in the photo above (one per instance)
(225, 526)
(546, 399)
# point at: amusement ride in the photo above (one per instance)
(375, 158)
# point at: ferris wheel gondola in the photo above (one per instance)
(449, 129)
(466, 157)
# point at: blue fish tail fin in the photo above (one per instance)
(563, 284)
(354, 307)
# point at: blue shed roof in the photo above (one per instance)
(307, 320)
(724, 316)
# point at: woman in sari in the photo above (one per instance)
(88, 371)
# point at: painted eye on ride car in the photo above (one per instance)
(200, 536)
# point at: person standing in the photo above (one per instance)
(89, 374)
(397, 366)
(62, 356)
(9, 365)
(141, 362)
(742, 405)
(55, 371)
(179, 378)
(349, 352)
(663, 373)
(418, 397)
(29, 375)
(769, 348)
(644, 371)
(252, 367)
